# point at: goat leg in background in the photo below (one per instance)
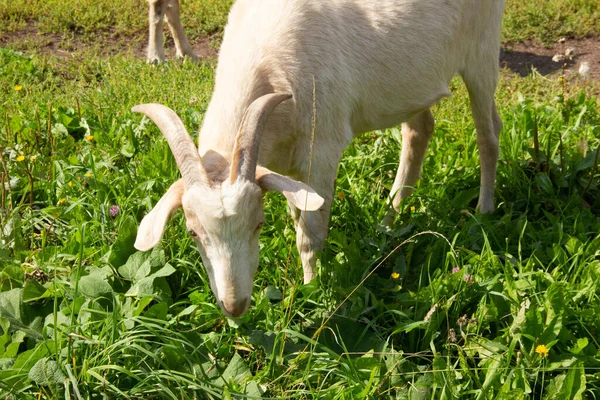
(158, 10)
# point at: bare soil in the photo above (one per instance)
(31, 40)
(520, 58)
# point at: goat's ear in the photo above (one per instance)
(153, 224)
(297, 193)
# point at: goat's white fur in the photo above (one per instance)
(158, 11)
(374, 64)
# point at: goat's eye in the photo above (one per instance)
(192, 233)
(260, 225)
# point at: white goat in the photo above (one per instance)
(375, 63)
(158, 10)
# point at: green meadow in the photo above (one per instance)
(447, 304)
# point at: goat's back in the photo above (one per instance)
(375, 63)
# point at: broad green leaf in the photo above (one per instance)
(5, 338)
(493, 372)
(272, 293)
(10, 304)
(158, 311)
(237, 370)
(520, 318)
(13, 272)
(154, 285)
(93, 287)
(20, 315)
(141, 264)
(61, 320)
(12, 349)
(253, 390)
(544, 183)
(122, 248)
(33, 291)
(167, 270)
(141, 305)
(143, 288)
(421, 389)
(579, 346)
(47, 372)
(568, 386)
(28, 358)
(555, 301)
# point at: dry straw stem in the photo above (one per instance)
(312, 142)
(7, 180)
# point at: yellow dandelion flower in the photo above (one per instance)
(62, 201)
(542, 350)
(89, 138)
(88, 175)
(18, 88)
(20, 158)
(412, 208)
(70, 184)
(395, 275)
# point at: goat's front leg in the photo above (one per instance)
(156, 14)
(312, 226)
(415, 137)
(182, 46)
(311, 231)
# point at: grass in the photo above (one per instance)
(548, 20)
(448, 304)
(88, 17)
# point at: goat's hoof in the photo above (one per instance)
(485, 208)
(389, 218)
(308, 276)
(187, 56)
(155, 60)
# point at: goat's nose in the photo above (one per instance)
(235, 308)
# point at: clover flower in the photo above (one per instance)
(114, 210)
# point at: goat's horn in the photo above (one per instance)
(245, 152)
(182, 146)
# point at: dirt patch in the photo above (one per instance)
(521, 58)
(106, 43)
